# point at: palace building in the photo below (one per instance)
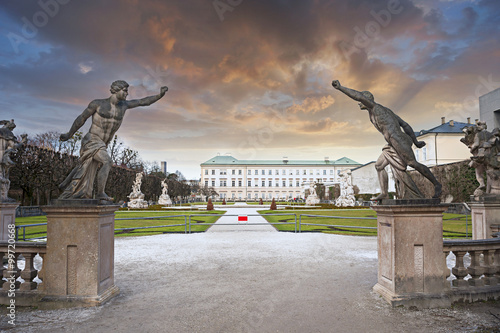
(280, 179)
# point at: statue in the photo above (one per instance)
(136, 196)
(164, 198)
(107, 116)
(312, 199)
(8, 145)
(485, 149)
(346, 198)
(398, 152)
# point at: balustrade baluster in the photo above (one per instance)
(446, 270)
(490, 269)
(475, 269)
(29, 272)
(459, 270)
(40, 272)
(496, 264)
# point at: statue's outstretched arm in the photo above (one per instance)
(146, 100)
(354, 94)
(79, 121)
(409, 130)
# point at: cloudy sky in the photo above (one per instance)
(247, 77)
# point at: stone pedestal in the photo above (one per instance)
(411, 263)
(79, 264)
(7, 216)
(485, 217)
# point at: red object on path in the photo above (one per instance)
(243, 218)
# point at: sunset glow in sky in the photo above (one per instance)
(246, 77)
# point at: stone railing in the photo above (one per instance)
(28, 270)
(478, 273)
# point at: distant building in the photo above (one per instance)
(267, 179)
(164, 167)
(443, 144)
(489, 109)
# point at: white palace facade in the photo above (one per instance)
(280, 179)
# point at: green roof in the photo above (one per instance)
(229, 160)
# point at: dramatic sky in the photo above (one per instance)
(247, 77)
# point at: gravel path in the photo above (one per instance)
(256, 281)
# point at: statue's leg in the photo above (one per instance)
(426, 172)
(383, 178)
(480, 170)
(102, 177)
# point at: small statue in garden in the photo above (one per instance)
(346, 198)
(8, 145)
(136, 196)
(398, 152)
(312, 199)
(164, 198)
(485, 149)
(107, 116)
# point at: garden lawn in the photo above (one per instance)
(41, 231)
(453, 224)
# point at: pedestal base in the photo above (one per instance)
(485, 217)
(410, 255)
(7, 216)
(419, 300)
(79, 265)
(69, 301)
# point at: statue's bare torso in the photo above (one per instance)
(107, 118)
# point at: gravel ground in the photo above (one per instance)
(254, 281)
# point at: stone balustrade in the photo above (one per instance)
(479, 279)
(29, 288)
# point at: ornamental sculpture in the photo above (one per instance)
(398, 152)
(136, 196)
(164, 197)
(485, 149)
(8, 145)
(107, 116)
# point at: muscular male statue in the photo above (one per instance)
(398, 152)
(107, 116)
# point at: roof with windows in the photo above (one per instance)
(229, 160)
(449, 127)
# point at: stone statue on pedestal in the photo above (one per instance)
(346, 198)
(164, 198)
(312, 199)
(136, 196)
(485, 149)
(398, 152)
(107, 116)
(8, 145)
